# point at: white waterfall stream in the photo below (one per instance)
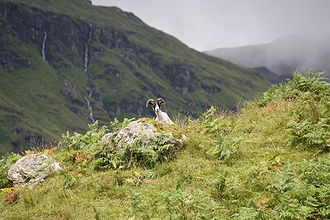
(87, 49)
(86, 61)
(44, 45)
(90, 109)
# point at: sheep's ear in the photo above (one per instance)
(149, 102)
(160, 101)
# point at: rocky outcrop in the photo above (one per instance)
(146, 134)
(32, 169)
(180, 77)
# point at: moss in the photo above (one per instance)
(163, 127)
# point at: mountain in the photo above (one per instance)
(270, 76)
(64, 64)
(302, 52)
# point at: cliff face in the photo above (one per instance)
(61, 68)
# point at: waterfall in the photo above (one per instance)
(44, 45)
(90, 109)
(89, 91)
(87, 49)
(86, 58)
(86, 61)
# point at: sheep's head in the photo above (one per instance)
(155, 104)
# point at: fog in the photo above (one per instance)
(209, 24)
(283, 56)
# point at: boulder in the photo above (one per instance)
(148, 133)
(32, 169)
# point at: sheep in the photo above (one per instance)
(160, 115)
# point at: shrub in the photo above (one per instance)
(135, 155)
(307, 86)
(107, 158)
(306, 134)
(224, 146)
(302, 192)
(310, 124)
(116, 125)
(309, 94)
(6, 161)
(216, 124)
(103, 155)
(89, 141)
(106, 155)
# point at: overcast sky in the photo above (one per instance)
(210, 24)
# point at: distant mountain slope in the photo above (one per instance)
(66, 63)
(272, 77)
(283, 56)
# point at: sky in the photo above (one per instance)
(210, 24)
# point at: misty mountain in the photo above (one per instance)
(270, 76)
(304, 52)
(64, 64)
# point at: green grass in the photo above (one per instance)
(233, 166)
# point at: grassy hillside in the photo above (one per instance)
(61, 59)
(269, 161)
(31, 103)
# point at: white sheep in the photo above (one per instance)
(160, 115)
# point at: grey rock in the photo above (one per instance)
(32, 169)
(135, 130)
(145, 132)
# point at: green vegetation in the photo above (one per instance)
(5, 162)
(107, 156)
(269, 161)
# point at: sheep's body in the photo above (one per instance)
(163, 117)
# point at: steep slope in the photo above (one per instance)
(283, 56)
(67, 63)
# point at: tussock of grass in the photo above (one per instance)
(248, 165)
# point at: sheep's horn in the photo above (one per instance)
(160, 101)
(148, 102)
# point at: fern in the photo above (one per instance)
(6, 161)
